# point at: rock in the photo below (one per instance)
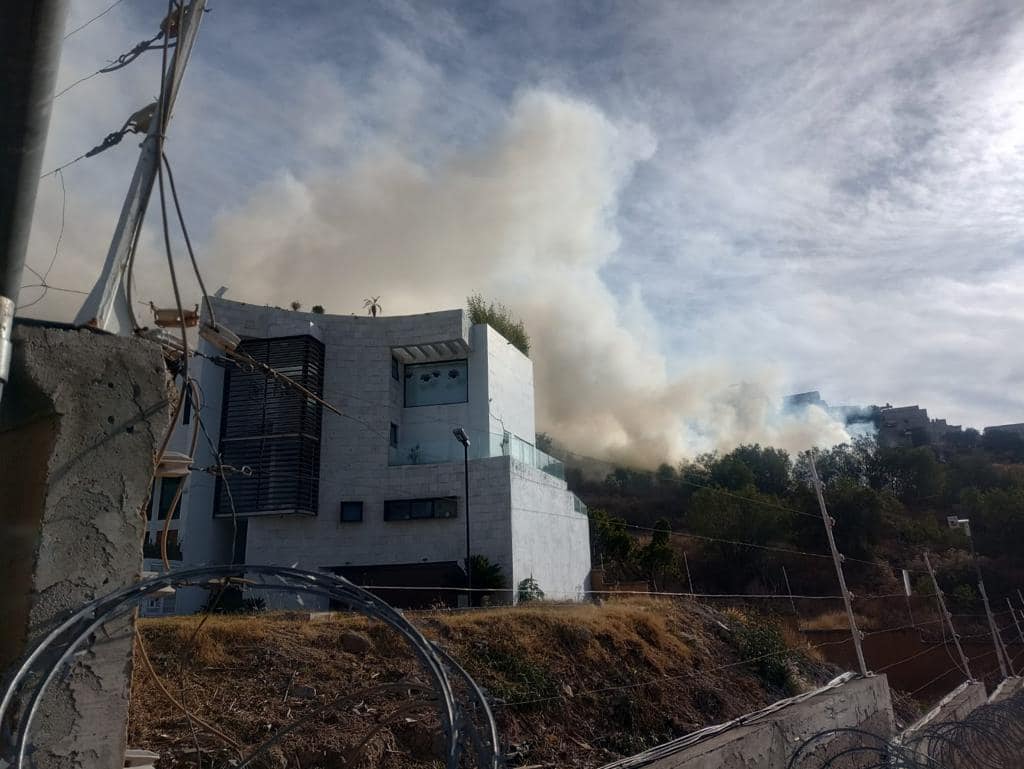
(355, 643)
(303, 692)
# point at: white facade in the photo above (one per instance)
(522, 517)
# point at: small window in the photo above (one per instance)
(420, 509)
(393, 439)
(168, 488)
(395, 373)
(351, 512)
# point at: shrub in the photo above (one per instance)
(529, 590)
(500, 318)
(762, 642)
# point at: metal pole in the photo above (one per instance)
(948, 618)
(106, 307)
(789, 590)
(996, 640)
(689, 579)
(30, 41)
(469, 565)
(838, 560)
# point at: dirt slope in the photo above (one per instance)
(572, 686)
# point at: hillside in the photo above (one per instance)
(743, 516)
(572, 685)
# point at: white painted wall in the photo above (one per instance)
(550, 540)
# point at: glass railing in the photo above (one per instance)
(481, 446)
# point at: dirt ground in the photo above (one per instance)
(571, 685)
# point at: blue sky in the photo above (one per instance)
(679, 197)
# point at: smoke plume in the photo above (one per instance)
(526, 218)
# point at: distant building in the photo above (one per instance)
(911, 426)
(1017, 429)
(378, 495)
(803, 400)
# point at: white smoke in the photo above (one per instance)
(526, 219)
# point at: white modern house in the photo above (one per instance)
(377, 495)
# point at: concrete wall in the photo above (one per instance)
(767, 739)
(79, 424)
(955, 706)
(550, 540)
(1008, 688)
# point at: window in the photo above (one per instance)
(168, 488)
(393, 439)
(351, 512)
(395, 370)
(151, 545)
(273, 430)
(420, 509)
(435, 384)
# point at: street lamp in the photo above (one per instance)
(461, 437)
(1001, 656)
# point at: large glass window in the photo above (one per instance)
(434, 384)
(419, 509)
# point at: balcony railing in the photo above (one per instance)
(481, 446)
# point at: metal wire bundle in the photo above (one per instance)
(53, 655)
(990, 737)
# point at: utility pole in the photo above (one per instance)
(837, 559)
(31, 35)
(106, 307)
(947, 618)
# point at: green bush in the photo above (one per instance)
(761, 642)
(529, 590)
(500, 318)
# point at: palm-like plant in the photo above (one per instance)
(372, 306)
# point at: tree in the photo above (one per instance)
(500, 318)
(318, 309)
(544, 442)
(373, 306)
(529, 590)
(296, 306)
(657, 556)
(612, 543)
(486, 575)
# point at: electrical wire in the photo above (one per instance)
(98, 16)
(56, 250)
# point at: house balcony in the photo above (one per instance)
(446, 449)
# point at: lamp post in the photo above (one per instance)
(461, 437)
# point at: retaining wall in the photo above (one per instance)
(1007, 689)
(767, 738)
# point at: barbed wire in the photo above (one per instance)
(991, 736)
(467, 722)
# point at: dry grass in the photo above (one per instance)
(835, 620)
(611, 680)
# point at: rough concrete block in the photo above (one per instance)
(955, 706)
(1007, 689)
(79, 425)
(770, 738)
